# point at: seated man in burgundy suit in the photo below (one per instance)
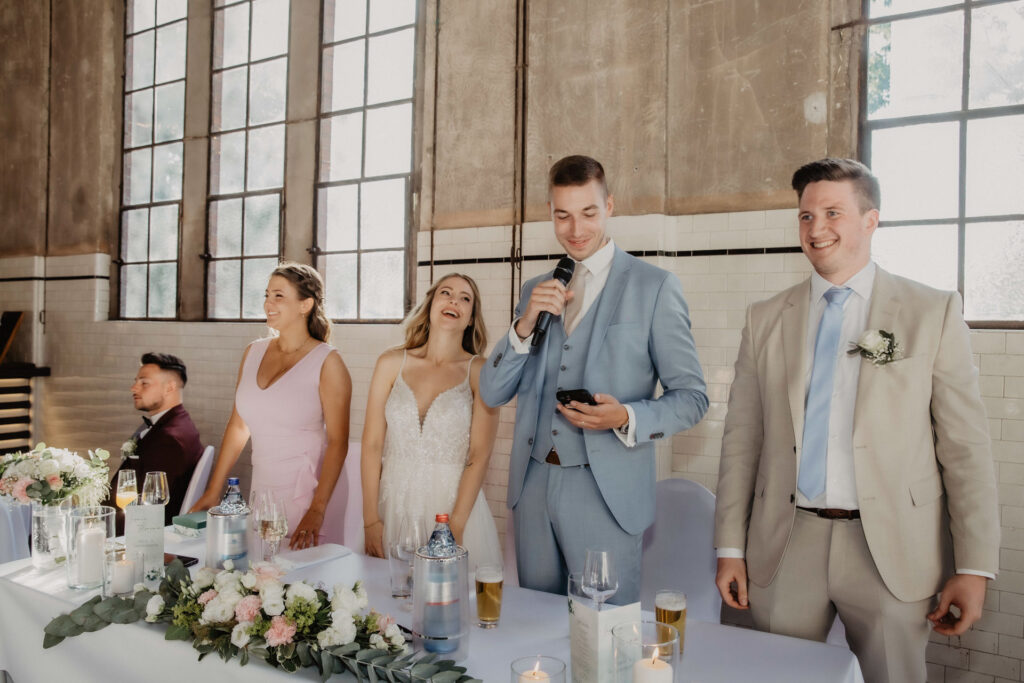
(167, 440)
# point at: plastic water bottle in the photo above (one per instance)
(233, 502)
(441, 616)
(442, 541)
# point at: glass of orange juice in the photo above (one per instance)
(127, 489)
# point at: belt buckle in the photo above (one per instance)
(552, 458)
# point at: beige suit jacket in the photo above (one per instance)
(922, 456)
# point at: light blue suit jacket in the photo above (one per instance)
(641, 336)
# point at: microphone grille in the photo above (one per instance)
(564, 269)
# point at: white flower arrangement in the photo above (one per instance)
(50, 476)
(878, 346)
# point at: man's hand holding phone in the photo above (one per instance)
(598, 412)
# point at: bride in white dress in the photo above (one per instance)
(428, 435)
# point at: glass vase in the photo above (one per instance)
(48, 535)
(646, 651)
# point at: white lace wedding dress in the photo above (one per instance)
(423, 464)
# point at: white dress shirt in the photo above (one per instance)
(598, 265)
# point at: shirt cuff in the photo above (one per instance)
(735, 553)
(976, 572)
(518, 345)
(627, 437)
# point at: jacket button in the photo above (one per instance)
(566, 347)
(529, 442)
(554, 432)
(562, 368)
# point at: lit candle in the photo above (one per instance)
(652, 670)
(89, 544)
(124, 577)
(535, 675)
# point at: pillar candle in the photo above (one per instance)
(89, 552)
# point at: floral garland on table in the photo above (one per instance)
(49, 476)
(245, 614)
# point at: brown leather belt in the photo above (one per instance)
(552, 459)
(833, 513)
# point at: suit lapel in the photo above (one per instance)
(794, 346)
(608, 302)
(885, 308)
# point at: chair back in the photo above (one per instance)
(200, 477)
(350, 487)
(678, 549)
(15, 522)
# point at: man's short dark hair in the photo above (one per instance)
(166, 361)
(576, 170)
(864, 181)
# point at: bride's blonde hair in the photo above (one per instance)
(417, 323)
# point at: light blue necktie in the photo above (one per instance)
(811, 480)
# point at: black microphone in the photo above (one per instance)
(563, 273)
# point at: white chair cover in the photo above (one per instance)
(678, 550)
(350, 486)
(15, 523)
(197, 484)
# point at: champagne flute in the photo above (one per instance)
(127, 489)
(600, 580)
(154, 490)
(273, 524)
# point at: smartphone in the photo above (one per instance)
(185, 559)
(565, 396)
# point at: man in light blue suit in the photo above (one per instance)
(582, 476)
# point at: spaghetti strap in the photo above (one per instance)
(469, 370)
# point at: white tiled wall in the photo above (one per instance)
(86, 403)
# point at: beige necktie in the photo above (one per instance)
(574, 307)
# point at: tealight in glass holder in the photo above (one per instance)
(646, 651)
(538, 668)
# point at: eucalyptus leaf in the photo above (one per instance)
(383, 660)
(49, 640)
(446, 677)
(63, 626)
(94, 623)
(107, 608)
(243, 656)
(302, 650)
(365, 655)
(175, 572)
(424, 670)
(141, 600)
(177, 633)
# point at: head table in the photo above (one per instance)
(531, 623)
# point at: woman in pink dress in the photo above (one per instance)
(292, 397)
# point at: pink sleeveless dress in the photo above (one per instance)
(286, 421)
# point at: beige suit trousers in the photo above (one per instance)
(827, 567)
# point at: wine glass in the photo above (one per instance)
(273, 523)
(402, 552)
(127, 489)
(154, 490)
(600, 580)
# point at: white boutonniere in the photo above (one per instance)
(878, 346)
(129, 448)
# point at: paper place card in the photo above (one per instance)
(144, 533)
(590, 638)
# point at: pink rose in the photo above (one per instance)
(54, 481)
(20, 491)
(281, 631)
(207, 596)
(384, 621)
(248, 608)
(266, 571)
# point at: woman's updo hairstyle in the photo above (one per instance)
(309, 285)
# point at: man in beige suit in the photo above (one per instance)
(885, 494)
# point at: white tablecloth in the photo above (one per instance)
(531, 623)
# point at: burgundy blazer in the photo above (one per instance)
(171, 445)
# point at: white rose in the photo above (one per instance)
(272, 596)
(226, 581)
(872, 341)
(205, 577)
(378, 642)
(217, 611)
(392, 631)
(240, 634)
(248, 580)
(362, 599)
(330, 637)
(398, 641)
(344, 600)
(345, 627)
(229, 565)
(48, 468)
(301, 590)
(153, 608)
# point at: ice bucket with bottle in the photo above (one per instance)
(440, 612)
(226, 538)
